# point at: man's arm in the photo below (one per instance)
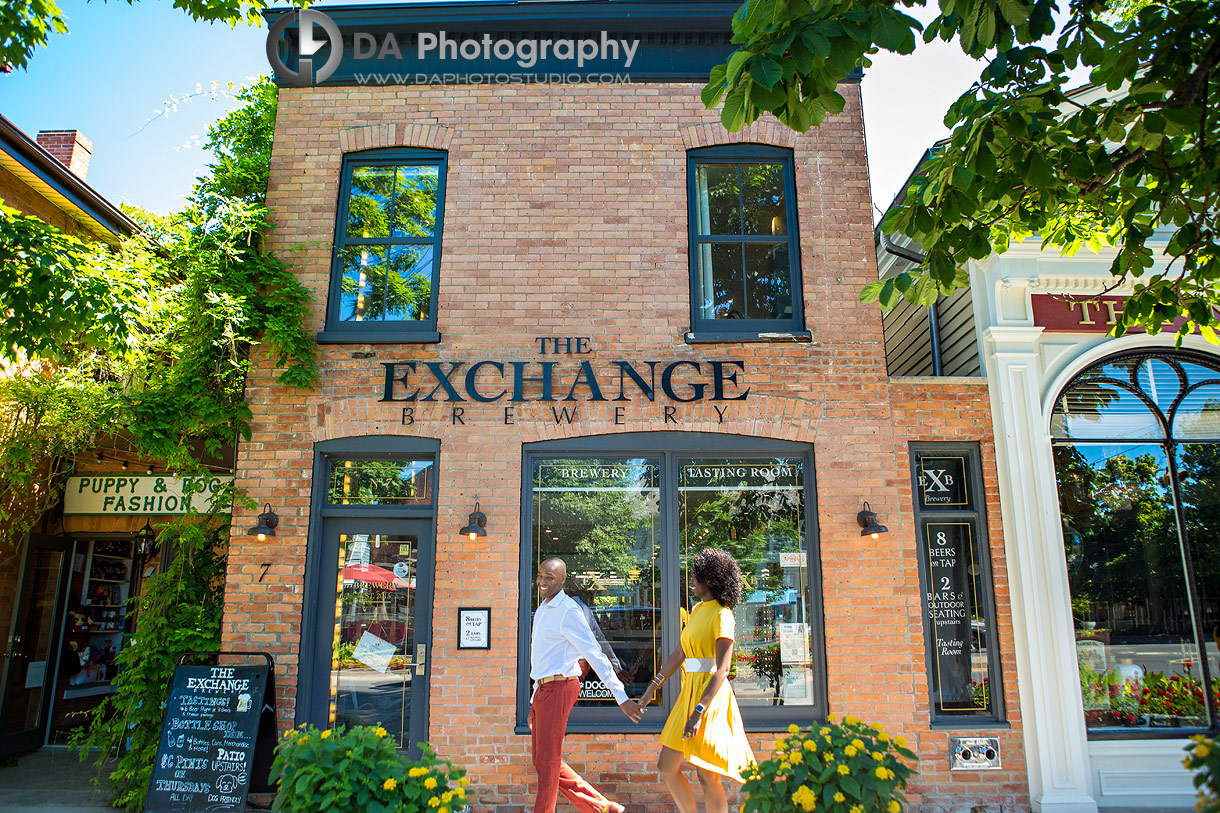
(575, 628)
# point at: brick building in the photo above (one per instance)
(586, 312)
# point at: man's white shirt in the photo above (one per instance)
(561, 638)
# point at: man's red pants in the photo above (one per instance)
(548, 720)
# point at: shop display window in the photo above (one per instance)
(387, 247)
(1137, 457)
(745, 255)
(380, 482)
(626, 524)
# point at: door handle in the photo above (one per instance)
(421, 657)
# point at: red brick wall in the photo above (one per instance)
(70, 148)
(566, 215)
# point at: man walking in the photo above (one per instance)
(561, 638)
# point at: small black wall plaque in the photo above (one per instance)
(216, 724)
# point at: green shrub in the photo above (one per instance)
(839, 767)
(359, 769)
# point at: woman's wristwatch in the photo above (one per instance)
(700, 708)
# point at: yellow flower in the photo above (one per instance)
(443, 809)
(880, 772)
(900, 741)
(390, 783)
(380, 732)
(326, 733)
(884, 736)
(1202, 751)
(464, 781)
(877, 755)
(795, 757)
(416, 772)
(878, 727)
(785, 764)
(792, 728)
(805, 797)
(830, 717)
(844, 770)
(851, 719)
(447, 796)
(809, 745)
(830, 757)
(839, 797)
(430, 782)
(1186, 762)
(434, 802)
(856, 809)
(894, 807)
(288, 733)
(780, 745)
(850, 750)
(824, 731)
(460, 791)
(859, 745)
(304, 739)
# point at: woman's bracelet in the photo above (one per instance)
(657, 680)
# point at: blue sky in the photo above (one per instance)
(111, 75)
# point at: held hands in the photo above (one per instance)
(633, 710)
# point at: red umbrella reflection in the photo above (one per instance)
(371, 574)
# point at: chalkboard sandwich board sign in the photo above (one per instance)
(217, 737)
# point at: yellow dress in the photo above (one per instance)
(720, 742)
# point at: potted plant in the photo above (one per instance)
(844, 766)
(360, 769)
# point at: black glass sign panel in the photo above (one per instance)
(952, 610)
(944, 483)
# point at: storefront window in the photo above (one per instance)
(601, 516)
(1137, 454)
(609, 516)
(755, 510)
(380, 482)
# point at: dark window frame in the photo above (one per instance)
(310, 677)
(422, 331)
(667, 447)
(997, 718)
(740, 330)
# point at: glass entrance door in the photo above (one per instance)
(374, 638)
(32, 650)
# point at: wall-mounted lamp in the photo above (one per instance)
(146, 540)
(868, 521)
(476, 525)
(267, 522)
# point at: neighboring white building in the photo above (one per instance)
(1119, 584)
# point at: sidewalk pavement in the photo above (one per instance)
(52, 780)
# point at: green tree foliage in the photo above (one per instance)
(179, 611)
(26, 24)
(1131, 164)
(149, 341)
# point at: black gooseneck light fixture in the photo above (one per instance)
(476, 525)
(868, 521)
(267, 522)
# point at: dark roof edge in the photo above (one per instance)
(696, 13)
(44, 165)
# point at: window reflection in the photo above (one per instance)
(755, 510)
(1145, 630)
(601, 516)
(371, 667)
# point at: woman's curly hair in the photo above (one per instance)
(718, 571)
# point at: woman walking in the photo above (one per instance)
(704, 728)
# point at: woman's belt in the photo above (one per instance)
(699, 664)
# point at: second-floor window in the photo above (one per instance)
(745, 269)
(388, 245)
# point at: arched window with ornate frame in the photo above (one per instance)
(1137, 457)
